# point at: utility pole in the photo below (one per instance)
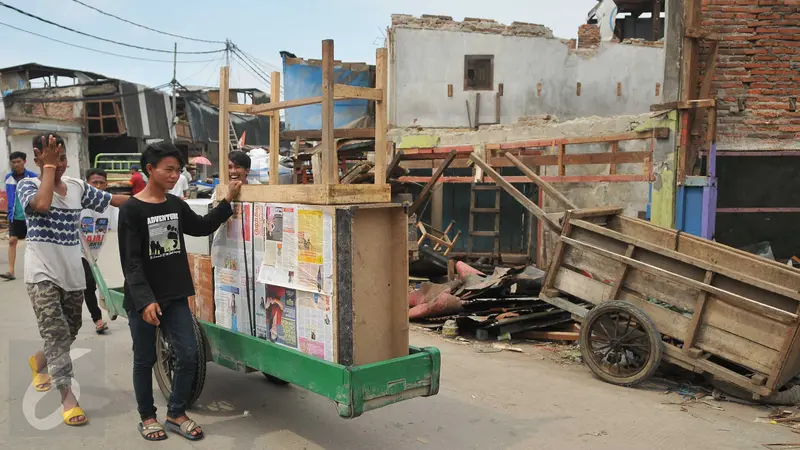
(174, 88)
(227, 52)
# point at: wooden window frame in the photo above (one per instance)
(467, 60)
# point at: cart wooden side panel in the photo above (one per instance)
(710, 310)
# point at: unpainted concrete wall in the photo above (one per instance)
(424, 61)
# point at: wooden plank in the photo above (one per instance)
(615, 288)
(427, 189)
(710, 339)
(789, 358)
(393, 165)
(344, 91)
(558, 254)
(612, 169)
(522, 179)
(381, 119)
(600, 211)
(519, 196)
(536, 159)
(548, 188)
(694, 325)
(685, 104)
(674, 354)
(274, 130)
(777, 289)
(565, 304)
(224, 123)
(746, 303)
(711, 67)
(339, 133)
(312, 194)
(562, 149)
(330, 159)
(269, 108)
(633, 135)
(550, 335)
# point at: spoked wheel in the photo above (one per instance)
(275, 380)
(620, 343)
(166, 363)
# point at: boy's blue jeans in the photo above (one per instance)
(176, 322)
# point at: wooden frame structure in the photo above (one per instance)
(326, 190)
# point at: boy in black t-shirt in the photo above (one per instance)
(157, 283)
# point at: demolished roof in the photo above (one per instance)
(470, 25)
(35, 70)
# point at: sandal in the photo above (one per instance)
(101, 327)
(7, 276)
(73, 413)
(41, 381)
(184, 429)
(150, 431)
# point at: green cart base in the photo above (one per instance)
(355, 389)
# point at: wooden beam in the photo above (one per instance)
(550, 179)
(268, 108)
(330, 158)
(711, 67)
(686, 104)
(392, 165)
(224, 123)
(427, 189)
(344, 91)
(339, 133)
(601, 211)
(545, 186)
(697, 315)
(314, 194)
(274, 130)
(381, 119)
(519, 196)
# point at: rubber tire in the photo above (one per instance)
(653, 336)
(164, 380)
(275, 380)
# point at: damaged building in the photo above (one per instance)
(94, 114)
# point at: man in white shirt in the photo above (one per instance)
(94, 226)
(181, 188)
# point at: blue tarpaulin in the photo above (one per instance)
(303, 79)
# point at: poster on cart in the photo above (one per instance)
(298, 319)
(297, 248)
(233, 260)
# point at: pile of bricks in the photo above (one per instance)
(471, 25)
(757, 79)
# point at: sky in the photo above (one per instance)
(261, 28)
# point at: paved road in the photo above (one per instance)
(487, 401)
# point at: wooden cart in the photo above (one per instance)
(652, 293)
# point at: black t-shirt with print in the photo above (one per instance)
(152, 251)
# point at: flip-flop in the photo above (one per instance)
(184, 429)
(41, 381)
(73, 413)
(7, 276)
(101, 330)
(152, 428)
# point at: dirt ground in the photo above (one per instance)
(541, 398)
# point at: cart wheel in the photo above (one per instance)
(620, 343)
(275, 380)
(166, 363)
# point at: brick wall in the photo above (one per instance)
(588, 36)
(758, 69)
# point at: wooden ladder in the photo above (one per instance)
(233, 140)
(473, 210)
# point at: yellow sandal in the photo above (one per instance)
(73, 413)
(41, 381)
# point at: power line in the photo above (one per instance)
(261, 71)
(204, 68)
(146, 27)
(252, 71)
(102, 38)
(102, 51)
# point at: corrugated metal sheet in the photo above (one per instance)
(303, 79)
(145, 111)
